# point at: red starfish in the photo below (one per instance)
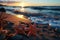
(32, 30)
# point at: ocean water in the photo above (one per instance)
(49, 13)
(49, 10)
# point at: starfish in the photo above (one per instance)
(33, 30)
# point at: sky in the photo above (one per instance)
(35, 2)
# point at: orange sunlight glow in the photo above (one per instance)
(22, 4)
(20, 16)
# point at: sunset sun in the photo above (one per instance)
(22, 4)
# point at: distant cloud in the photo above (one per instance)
(9, 1)
(31, 2)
